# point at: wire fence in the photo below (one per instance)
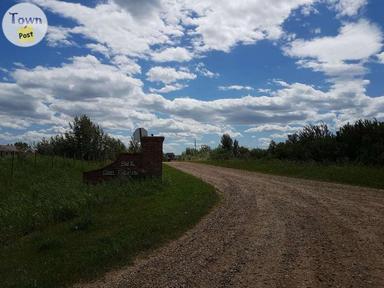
(14, 162)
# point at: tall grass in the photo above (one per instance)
(55, 230)
(49, 190)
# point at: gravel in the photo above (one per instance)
(269, 231)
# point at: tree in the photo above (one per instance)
(226, 142)
(236, 148)
(272, 147)
(190, 151)
(84, 140)
(86, 137)
(134, 146)
(244, 152)
(112, 147)
(362, 141)
(44, 147)
(205, 149)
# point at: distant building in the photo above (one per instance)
(170, 157)
(8, 150)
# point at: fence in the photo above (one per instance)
(11, 162)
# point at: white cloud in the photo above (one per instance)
(29, 137)
(270, 127)
(294, 103)
(201, 69)
(119, 31)
(117, 101)
(59, 36)
(341, 56)
(235, 87)
(177, 54)
(355, 41)
(140, 8)
(182, 126)
(83, 78)
(168, 75)
(348, 7)
(381, 57)
(221, 25)
(279, 136)
(337, 69)
(99, 48)
(84, 85)
(264, 90)
(124, 106)
(18, 64)
(264, 142)
(126, 65)
(280, 82)
(131, 28)
(20, 110)
(168, 88)
(307, 10)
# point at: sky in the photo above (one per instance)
(256, 69)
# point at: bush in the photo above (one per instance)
(221, 154)
(361, 142)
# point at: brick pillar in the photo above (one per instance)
(152, 151)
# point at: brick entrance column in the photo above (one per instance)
(152, 153)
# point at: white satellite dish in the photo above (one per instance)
(139, 132)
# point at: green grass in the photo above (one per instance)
(55, 230)
(347, 174)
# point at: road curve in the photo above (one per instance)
(270, 231)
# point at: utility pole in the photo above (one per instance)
(195, 145)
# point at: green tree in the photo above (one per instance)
(226, 142)
(134, 146)
(86, 137)
(236, 148)
(44, 147)
(84, 140)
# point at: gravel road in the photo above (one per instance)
(270, 231)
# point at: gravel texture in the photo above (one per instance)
(269, 231)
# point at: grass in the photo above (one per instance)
(56, 231)
(347, 174)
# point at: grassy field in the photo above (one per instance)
(55, 230)
(346, 174)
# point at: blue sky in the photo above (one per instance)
(195, 69)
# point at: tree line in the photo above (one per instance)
(84, 140)
(360, 142)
